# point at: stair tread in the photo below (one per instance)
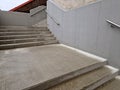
(85, 81)
(10, 41)
(44, 66)
(20, 30)
(111, 85)
(25, 32)
(21, 27)
(16, 39)
(26, 39)
(28, 35)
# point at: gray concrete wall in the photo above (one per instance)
(108, 43)
(86, 28)
(22, 19)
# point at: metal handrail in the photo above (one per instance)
(114, 25)
(53, 19)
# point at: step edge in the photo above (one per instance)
(14, 44)
(66, 77)
(25, 32)
(46, 38)
(114, 73)
(27, 35)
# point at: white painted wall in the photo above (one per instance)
(86, 28)
(22, 19)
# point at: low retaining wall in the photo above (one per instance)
(22, 19)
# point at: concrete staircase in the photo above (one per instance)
(68, 69)
(21, 36)
(55, 67)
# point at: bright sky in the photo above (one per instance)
(9, 4)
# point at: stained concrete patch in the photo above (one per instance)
(42, 66)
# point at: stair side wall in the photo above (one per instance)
(86, 28)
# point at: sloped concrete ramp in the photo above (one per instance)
(43, 66)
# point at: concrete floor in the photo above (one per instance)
(28, 67)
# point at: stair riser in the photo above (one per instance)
(102, 81)
(18, 46)
(25, 36)
(20, 41)
(18, 37)
(22, 30)
(24, 33)
(25, 40)
(27, 45)
(51, 42)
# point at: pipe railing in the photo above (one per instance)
(53, 19)
(113, 24)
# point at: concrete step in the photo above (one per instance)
(113, 84)
(27, 44)
(10, 41)
(22, 28)
(88, 81)
(24, 33)
(22, 36)
(25, 36)
(54, 41)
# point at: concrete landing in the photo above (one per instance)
(43, 66)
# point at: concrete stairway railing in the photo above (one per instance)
(21, 36)
(23, 19)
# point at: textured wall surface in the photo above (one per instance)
(71, 4)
